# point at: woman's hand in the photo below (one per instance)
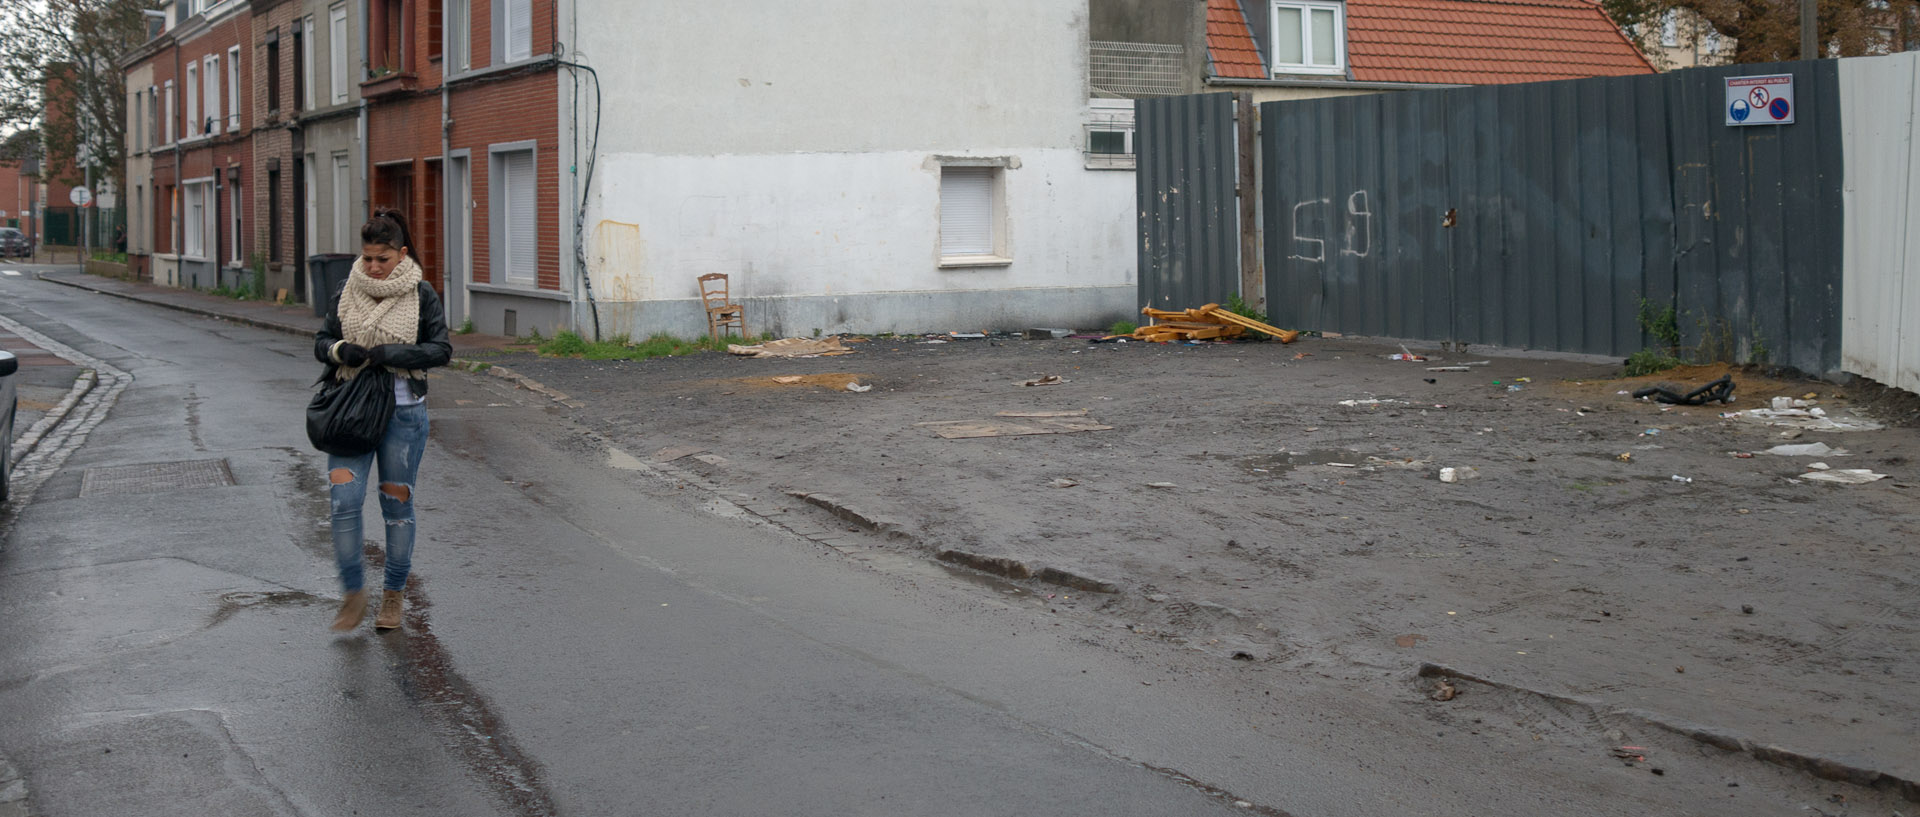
(350, 354)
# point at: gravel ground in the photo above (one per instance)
(1238, 508)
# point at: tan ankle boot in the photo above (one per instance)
(389, 618)
(353, 608)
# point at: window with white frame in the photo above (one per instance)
(459, 35)
(153, 117)
(212, 78)
(233, 218)
(192, 93)
(194, 236)
(233, 88)
(337, 50)
(1309, 38)
(169, 117)
(1110, 134)
(513, 42)
(136, 229)
(136, 123)
(343, 206)
(310, 45)
(1670, 28)
(972, 215)
(515, 215)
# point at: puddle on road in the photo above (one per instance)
(231, 603)
(1284, 461)
(465, 718)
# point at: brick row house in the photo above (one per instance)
(262, 134)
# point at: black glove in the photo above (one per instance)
(379, 355)
(351, 354)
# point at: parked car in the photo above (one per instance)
(14, 243)
(8, 365)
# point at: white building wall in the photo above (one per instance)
(1880, 266)
(797, 148)
(139, 173)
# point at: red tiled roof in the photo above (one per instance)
(1467, 42)
(1230, 42)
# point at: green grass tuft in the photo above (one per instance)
(621, 347)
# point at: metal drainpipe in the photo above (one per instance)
(446, 185)
(366, 184)
(173, 201)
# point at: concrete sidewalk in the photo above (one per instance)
(296, 320)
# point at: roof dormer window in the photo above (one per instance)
(1309, 38)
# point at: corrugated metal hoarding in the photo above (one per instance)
(1880, 337)
(1541, 215)
(1184, 181)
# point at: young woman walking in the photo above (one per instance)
(386, 316)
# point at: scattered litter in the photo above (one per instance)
(1478, 363)
(1741, 455)
(1651, 432)
(932, 342)
(1819, 466)
(1845, 476)
(1161, 485)
(1342, 465)
(1448, 369)
(1064, 413)
(1746, 609)
(966, 335)
(1303, 356)
(1784, 403)
(1633, 753)
(1430, 380)
(1209, 322)
(1049, 380)
(1063, 483)
(857, 388)
(1461, 474)
(1814, 419)
(1678, 478)
(1514, 387)
(1371, 401)
(1625, 457)
(1444, 692)
(1047, 334)
(1523, 380)
(791, 347)
(1807, 450)
(788, 379)
(1409, 640)
(1718, 391)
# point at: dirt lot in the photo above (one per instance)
(1238, 507)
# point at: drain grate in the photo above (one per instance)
(154, 478)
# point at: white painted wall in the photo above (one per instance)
(796, 148)
(1880, 296)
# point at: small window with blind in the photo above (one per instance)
(515, 216)
(1309, 38)
(512, 42)
(973, 216)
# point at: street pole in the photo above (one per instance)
(1809, 29)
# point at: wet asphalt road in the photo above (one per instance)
(578, 643)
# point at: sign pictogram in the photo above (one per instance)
(1766, 100)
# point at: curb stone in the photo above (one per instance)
(1825, 768)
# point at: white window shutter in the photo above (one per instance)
(519, 29)
(966, 211)
(523, 218)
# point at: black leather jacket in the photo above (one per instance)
(431, 349)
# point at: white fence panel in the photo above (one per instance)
(1880, 307)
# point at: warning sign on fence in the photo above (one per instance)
(1764, 100)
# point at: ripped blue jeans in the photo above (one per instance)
(399, 457)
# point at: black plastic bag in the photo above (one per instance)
(349, 418)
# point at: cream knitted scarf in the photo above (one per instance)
(380, 311)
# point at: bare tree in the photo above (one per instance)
(1769, 30)
(59, 75)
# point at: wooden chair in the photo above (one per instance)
(721, 310)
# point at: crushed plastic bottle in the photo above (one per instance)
(1678, 478)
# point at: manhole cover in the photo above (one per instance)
(154, 478)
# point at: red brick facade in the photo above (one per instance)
(409, 129)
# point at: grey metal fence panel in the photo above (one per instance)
(1189, 251)
(1572, 204)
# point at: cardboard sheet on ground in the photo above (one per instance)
(1809, 419)
(791, 347)
(1013, 426)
